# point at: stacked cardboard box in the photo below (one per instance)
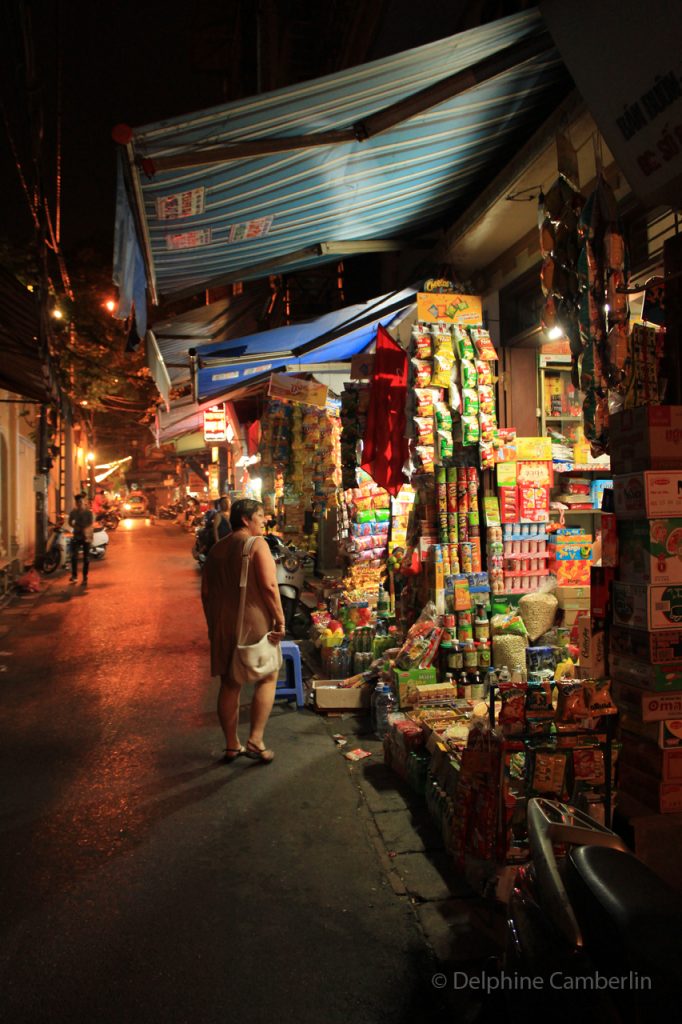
(645, 647)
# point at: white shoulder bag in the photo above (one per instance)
(252, 662)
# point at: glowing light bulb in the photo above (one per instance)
(57, 313)
(110, 305)
(554, 332)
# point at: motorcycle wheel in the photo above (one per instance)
(51, 561)
(111, 523)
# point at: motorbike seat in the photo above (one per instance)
(620, 902)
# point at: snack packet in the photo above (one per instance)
(463, 343)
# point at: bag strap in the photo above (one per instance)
(246, 550)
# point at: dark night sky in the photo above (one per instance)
(136, 61)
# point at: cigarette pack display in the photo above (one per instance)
(648, 495)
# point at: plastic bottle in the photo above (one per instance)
(383, 703)
(491, 682)
(477, 688)
(518, 675)
(503, 675)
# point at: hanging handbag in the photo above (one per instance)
(252, 662)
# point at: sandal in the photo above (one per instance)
(259, 753)
(232, 753)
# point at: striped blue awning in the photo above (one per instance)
(312, 172)
(332, 338)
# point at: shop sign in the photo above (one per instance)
(215, 424)
(362, 366)
(250, 229)
(213, 482)
(189, 239)
(287, 388)
(180, 204)
(632, 85)
(449, 308)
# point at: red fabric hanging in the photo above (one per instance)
(384, 445)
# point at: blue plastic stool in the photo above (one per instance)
(291, 686)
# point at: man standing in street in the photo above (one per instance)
(81, 520)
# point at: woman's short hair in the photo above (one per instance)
(243, 509)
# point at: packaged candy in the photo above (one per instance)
(469, 377)
(463, 343)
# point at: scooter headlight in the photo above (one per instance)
(291, 563)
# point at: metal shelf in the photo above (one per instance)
(576, 511)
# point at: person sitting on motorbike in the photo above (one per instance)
(220, 524)
(99, 503)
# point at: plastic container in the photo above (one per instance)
(383, 704)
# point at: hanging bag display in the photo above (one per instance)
(252, 662)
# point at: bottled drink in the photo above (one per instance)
(477, 688)
(503, 675)
(517, 675)
(383, 703)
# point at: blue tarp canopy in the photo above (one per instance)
(335, 337)
(353, 162)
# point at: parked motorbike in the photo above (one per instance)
(291, 566)
(592, 924)
(108, 519)
(58, 547)
(171, 511)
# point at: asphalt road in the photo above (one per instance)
(144, 880)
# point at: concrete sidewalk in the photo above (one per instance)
(463, 929)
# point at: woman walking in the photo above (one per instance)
(220, 594)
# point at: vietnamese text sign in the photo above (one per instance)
(626, 61)
(449, 308)
(215, 424)
(293, 389)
